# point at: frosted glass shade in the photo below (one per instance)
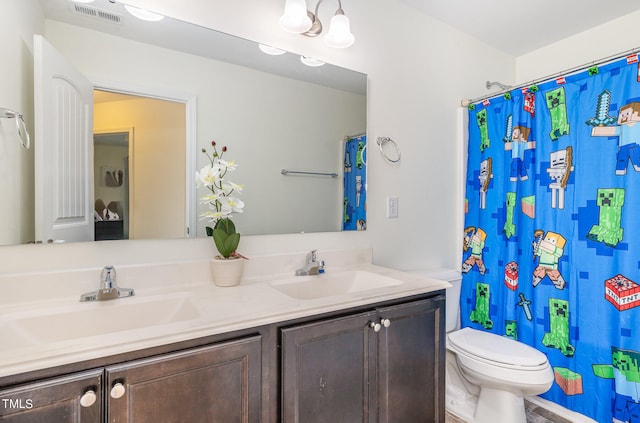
(295, 18)
(143, 14)
(339, 35)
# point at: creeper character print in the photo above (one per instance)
(557, 105)
(509, 227)
(608, 230)
(483, 125)
(481, 313)
(558, 336)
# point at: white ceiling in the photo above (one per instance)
(518, 27)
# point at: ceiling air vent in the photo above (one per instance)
(104, 15)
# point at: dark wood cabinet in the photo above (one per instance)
(378, 363)
(214, 384)
(327, 370)
(74, 399)
(411, 363)
(383, 366)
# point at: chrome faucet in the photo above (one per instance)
(109, 289)
(311, 266)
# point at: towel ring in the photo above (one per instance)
(21, 126)
(394, 158)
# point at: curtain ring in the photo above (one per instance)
(394, 158)
(21, 126)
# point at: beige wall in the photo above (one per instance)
(19, 20)
(612, 38)
(158, 163)
(418, 68)
(243, 109)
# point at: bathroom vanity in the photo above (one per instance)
(269, 350)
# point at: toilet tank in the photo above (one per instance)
(454, 277)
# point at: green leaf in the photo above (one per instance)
(231, 244)
(225, 243)
(226, 225)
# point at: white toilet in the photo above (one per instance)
(488, 375)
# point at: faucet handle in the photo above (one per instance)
(108, 277)
(311, 256)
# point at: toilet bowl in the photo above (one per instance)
(487, 375)
(504, 370)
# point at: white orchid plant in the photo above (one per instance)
(222, 201)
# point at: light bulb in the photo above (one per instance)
(339, 35)
(295, 18)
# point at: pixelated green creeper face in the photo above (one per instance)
(482, 290)
(510, 328)
(610, 197)
(511, 199)
(555, 98)
(481, 117)
(558, 308)
(625, 361)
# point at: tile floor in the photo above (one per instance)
(535, 414)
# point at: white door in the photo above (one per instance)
(63, 148)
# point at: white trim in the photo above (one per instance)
(559, 410)
(190, 101)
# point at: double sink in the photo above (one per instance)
(66, 322)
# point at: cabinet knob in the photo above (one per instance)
(117, 390)
(385, 322)
(375, 326)
(88, 398)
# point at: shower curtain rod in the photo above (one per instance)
(348, 137)
(566, 72)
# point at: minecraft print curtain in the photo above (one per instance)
(552, 231)
(354, 215)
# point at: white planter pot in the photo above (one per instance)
(227, 272)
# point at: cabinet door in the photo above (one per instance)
(220, 383)
(412, 362)
(326, 369)
(76, 398)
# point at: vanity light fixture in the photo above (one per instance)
(310, 61)
(143, 14)
(297, 19)
(270, 50)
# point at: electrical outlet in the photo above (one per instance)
(392, 206)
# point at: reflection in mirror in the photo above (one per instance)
(272, 112)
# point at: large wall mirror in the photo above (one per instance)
(271, 111)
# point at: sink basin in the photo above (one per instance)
(97, 318)
(328, 285)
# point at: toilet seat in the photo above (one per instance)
(497, 350)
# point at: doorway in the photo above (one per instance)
(149, 197)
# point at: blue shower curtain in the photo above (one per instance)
(354, 215)
(552, 231)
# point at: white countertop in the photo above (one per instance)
(51, 328)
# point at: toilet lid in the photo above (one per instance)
(496, 348)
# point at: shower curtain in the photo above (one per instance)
(551, 249)
(354, 215)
